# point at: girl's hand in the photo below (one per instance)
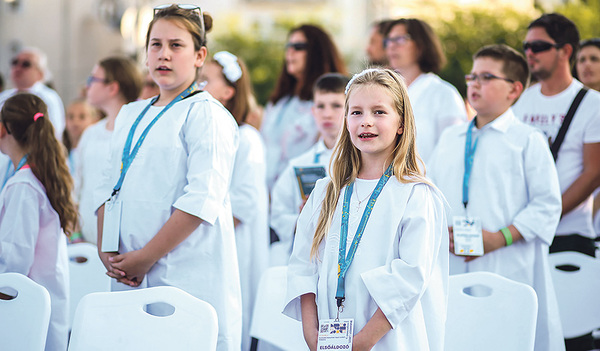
(110, 270)
(135, 263)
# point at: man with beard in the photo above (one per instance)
(550, 47)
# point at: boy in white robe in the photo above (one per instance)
(512, 185)
(286, 199)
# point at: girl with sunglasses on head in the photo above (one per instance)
(228, 80)
(415, 51)
(36, 209)
(164, 215)
(288, 126)
(113, 82)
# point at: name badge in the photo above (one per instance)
(112, 225)
(335, 334)
(468, 237)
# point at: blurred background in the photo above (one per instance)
(77, 33)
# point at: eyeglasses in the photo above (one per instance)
(189, 7)
(24, 63)
(92, 79)
(399, 40)
(537, 46)
(299, 46)
(484, 78)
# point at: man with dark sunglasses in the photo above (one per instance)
(550, 46)
(28, 72)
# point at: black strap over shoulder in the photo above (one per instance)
(560, 137)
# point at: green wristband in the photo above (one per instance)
(507, 236)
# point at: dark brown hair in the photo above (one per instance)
(240, 105)
(514, 65)
(126, 74)
(431, 56)
(322, 56)
(46, 156)
(561, 29)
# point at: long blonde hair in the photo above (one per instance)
(346, 159)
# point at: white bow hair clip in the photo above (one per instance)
(231, 67)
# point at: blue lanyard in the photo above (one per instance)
(317, 157)
(10, 172)
(343, 260)
(128, 155)
(469, 156)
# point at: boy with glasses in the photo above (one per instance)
(500, 181)
(29, 71)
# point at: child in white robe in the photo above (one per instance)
(228, 80)
(395, 288)
(36, 209)
(512, 186)
(286, 199)
(168, 206)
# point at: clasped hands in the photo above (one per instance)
(128, 268)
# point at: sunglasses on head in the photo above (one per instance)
(296, 46)
(23, 63)
(539, 46)
(189, 7)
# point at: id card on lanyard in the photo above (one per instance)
(339, 333)
(467, 231)
(113, 207)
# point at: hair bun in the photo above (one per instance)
(208, 21)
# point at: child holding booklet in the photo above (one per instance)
(286, 197)
(392, 285)
(507, 189)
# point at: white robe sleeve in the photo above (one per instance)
(285, 205)
(211, 140)
(19, 228)
(398, 286)
(243, 190)
(303, 272)
(541, 215)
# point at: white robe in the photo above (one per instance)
(185, 163)
(401, 265)
(288, 130)
(513, 181)
(93, 156)
(286, 200)
(250, 204)
(436, 105)
(32, 243)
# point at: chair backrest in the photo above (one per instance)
(268, 323)
(86, 274)
(577, 292)
(489, 312)
(24, 319)
(118, 320)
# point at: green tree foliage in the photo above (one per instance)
(585, 14)
(466, 30)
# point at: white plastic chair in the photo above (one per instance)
(118, 320)
(505, 319)
(578, 292)
(268, 323)
(24, 319)
(86, 274)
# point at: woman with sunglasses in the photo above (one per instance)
(414, 51)
(288, 126)
(168, 219)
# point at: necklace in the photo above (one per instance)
(358, 199)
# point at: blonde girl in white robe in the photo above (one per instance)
(228, 81)
(36, 209)
(396, 286)
(176, 226)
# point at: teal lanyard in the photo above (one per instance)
(129, 156)
(469, 156)
(343, 260)
(10, 173)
